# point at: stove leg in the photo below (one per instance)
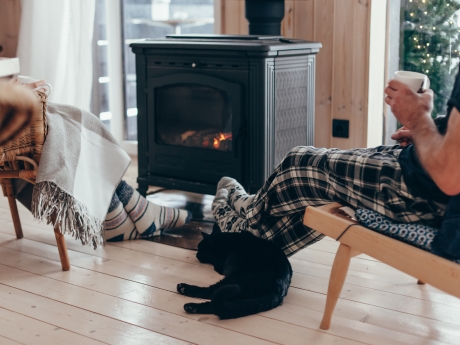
(142, 189)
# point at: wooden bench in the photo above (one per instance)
(355, 239)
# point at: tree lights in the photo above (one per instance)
(430, 44)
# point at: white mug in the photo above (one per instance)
(417, 82)
(27, 80)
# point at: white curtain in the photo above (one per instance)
(55, 44)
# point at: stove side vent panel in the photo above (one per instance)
(294, 104)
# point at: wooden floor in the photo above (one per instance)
(125, 294)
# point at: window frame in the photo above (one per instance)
(114, 22)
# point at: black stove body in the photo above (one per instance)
(220, 105)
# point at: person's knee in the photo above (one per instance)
(303, 156)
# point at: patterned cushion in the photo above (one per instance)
(417, 235)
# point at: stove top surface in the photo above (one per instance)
(224, 37)
(227, 42)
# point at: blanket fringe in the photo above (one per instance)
(72, 216)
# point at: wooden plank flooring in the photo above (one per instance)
(125, 293)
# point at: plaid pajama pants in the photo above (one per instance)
(308, 176)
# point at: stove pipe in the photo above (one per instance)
(265, 16)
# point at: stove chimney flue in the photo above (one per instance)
(265, 16)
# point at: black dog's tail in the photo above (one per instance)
(226, 309)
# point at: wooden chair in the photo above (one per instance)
(355, 239)
(19, 158)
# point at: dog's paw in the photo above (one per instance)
(190, 308)
(181, 288)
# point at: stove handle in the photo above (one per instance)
(241, 133)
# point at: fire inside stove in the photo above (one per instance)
(207, 139)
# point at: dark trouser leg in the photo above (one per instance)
(23, 191)
(447, 241)
(366, 178)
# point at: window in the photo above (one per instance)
(157, 18)
(100, 93)
(137, 19)
(430, 44)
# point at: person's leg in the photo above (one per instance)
(287, 232)
(357, 178)
(118, 225)
(148, 217)
(239, 200)
(23, 191)
(227, 218)
(235, 195)
(369, 178)
(384, 148)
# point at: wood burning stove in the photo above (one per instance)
(220, 105)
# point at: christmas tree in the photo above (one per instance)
(430, 44)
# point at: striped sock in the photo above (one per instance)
(150, 219)
(118, 225)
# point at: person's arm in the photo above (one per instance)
(441, 156)
(17, 105)
(438, 154)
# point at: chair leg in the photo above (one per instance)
(9, 191)
(62, 248)
(336, 281)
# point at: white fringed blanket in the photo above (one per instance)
(80, 167)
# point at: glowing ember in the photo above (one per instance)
(208, 138)
(222, 137)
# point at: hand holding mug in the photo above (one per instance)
(33, 84)
(409, 107)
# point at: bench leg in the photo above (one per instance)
(9, 193)
(338, 275)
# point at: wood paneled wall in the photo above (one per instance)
(342, 74)
(10, 16)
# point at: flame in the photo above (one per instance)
(222, 137)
